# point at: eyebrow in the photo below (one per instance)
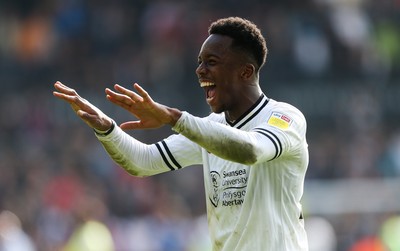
(209, 55)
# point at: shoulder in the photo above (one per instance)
(284, 116)
(285, 107)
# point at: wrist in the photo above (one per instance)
(175, 115)
(105, 132)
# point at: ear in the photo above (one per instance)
(248, 71)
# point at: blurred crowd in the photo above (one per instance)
(337, 60)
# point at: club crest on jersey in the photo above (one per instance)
(279, 120)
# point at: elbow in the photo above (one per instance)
(248, 160)
(247, 155)
(133, 170)
(137, 173)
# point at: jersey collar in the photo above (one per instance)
(250, 113)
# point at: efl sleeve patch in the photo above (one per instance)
(279, 120)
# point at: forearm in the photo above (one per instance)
(224, 141)
(135, 157)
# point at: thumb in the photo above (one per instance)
(131, 125)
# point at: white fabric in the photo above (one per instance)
(254, 172)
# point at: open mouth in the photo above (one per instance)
(209, 89)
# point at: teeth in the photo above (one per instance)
(204, 84)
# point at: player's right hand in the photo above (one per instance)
(89, 113)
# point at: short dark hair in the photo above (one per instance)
(246, 36)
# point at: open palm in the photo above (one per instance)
(150, 113)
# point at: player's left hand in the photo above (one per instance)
(150, 113)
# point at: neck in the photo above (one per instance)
(247, 102)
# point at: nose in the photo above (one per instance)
(201, 69)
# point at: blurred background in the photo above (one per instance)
(336, 60)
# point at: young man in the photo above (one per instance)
(253, 149)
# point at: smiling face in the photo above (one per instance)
(222, 73)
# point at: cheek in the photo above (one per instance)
(232, 93)
(228, 83)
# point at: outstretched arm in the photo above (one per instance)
(89, 113)
(135, 157)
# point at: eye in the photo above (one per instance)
(211, 62)
(207, 62)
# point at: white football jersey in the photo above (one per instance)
(249, 208)
(254, 208)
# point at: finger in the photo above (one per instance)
(90, 119)
(134, 96)
(131, 125)
(58, 94)
(142, 92)
(76, 102)
(64, 96)
(118, 102)
(64, 89)
(82, 114)
(119, 99)
(118, 96)
(58, 83)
